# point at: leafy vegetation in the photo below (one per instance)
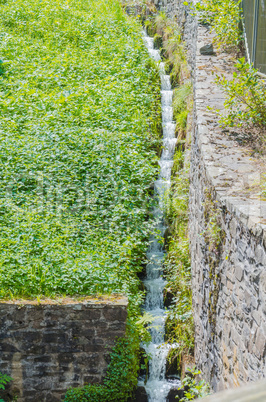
(182, 104)
(4, 380)
(245, 104)
(263, 186)
(121, 376)
(194, 389)
(172, 48)
(224, 16)
(179, 325)
(79, 132)
(246, 97)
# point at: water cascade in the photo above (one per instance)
(157, 386)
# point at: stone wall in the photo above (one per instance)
(227, 227)
(173, 8)
(48, 347)
(228, 239)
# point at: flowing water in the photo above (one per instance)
(157, 387)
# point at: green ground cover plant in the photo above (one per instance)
(79, 130)
(80, 133)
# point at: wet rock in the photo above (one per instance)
(167, 297)
(167, 236)
(207, 50)
(173, 364)
(172, 377)
(173, 368)
(140, 395)
(158, 41)
(175, 395)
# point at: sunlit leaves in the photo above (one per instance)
(245, 102)
(78, 101)
(224, 16)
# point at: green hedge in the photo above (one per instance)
(79, 130)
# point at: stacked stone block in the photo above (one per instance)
(229, 276)
(48, 348)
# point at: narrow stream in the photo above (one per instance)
(157, 386)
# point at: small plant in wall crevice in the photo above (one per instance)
(194, 388)
(4, 380)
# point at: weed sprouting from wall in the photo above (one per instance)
(214, 237)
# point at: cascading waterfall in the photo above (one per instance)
(157, 387)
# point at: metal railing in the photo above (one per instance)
(254, 12)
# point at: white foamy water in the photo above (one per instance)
(167, 114)
(157, 387)
(155, 54)
(166, 168)
(154, 266)
(169, 130)
(168, 149)
(167, 98)
(155, 289)
(162, 68)
(165, 82)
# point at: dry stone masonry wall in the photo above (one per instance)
(228, 240)
(48, 348)
(227, 229)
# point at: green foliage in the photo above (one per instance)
(172, 48)
(4, 380)
(143, 324)
(224, 16)
(1, 68)
(121, 377)
(179, 324)
(246, 97)
(194, 389)
(182, 104)
(79, 105)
